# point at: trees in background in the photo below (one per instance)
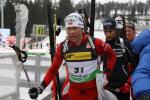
(65, 7)
(38, 13)
(9, 16)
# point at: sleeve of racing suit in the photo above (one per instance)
(105, 49)
(53, 69)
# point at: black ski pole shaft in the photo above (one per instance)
(92, 18)
(52, 31)
(57, 76)
(27, 76)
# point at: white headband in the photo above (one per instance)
(74, 20)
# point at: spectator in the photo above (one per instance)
(130, 31)
(141, 76)
(119, 80)
(120, 26)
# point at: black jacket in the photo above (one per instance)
(120, 73)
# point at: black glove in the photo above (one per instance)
(34, 92)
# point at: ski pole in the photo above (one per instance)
(52, 39)
(22, 57)
(27, 76)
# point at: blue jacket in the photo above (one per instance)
(141, 77)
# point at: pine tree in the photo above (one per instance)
(9, 17)
(65, 8)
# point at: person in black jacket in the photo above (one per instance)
(119, 80)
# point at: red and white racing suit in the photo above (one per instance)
(82, 67)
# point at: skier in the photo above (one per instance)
(119, 80)
(80, 59)
(141, 76)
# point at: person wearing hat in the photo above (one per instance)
(119, 80)
(81, 61)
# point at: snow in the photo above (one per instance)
(8, 75)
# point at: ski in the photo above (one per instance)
(56, 89)
(92, 18)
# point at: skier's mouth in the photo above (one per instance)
(71, 36)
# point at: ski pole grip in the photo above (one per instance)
(22, 55)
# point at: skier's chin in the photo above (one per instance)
(73, 39)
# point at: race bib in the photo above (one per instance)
(84, 72)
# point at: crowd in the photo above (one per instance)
(125, 59)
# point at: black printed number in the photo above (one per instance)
(78, 70)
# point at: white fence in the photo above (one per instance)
(12, 77)
(9, 76)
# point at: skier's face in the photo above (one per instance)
(110, 34)
(74, 34)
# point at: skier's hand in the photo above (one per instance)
(125, 88)
(11, 40)
(107, 73)
(58, 31)
(34, 92)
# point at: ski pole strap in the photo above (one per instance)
(93, 47)
(22, 55)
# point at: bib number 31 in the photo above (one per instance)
(79, 70)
